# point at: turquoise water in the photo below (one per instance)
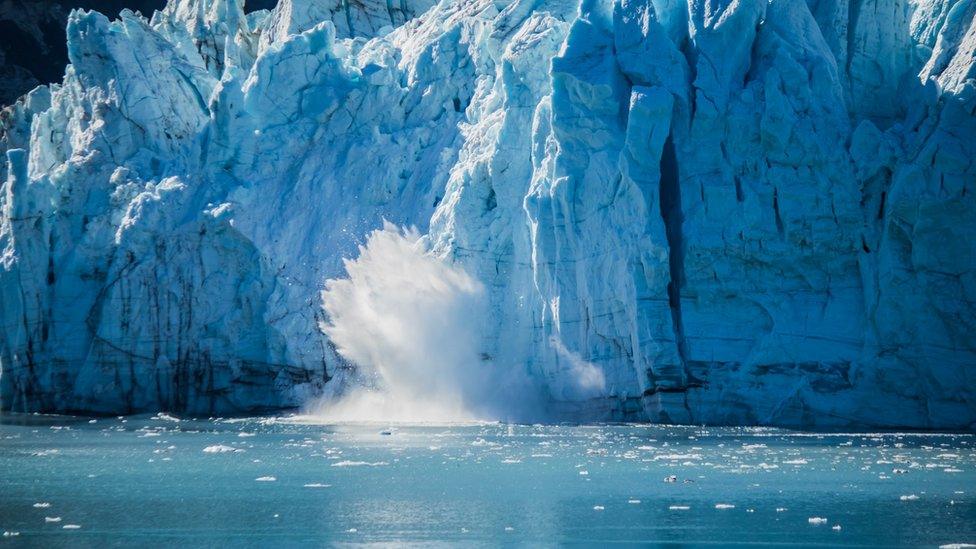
(281, 481)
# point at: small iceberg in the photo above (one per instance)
(220, 449)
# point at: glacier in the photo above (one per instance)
(738, 211)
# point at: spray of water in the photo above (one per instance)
(411, 322)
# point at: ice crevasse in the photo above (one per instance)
(739, 211)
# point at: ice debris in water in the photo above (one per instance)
(817, 520)
(597, 507)
(220, 449)
(42, 505)
(71, 526)
(266, 479)
(52, 519)
(686, 507)
(909, 497)
(724, 506)
(346, 463)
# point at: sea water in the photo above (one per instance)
(286, 481)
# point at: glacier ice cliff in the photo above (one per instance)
(740, 211)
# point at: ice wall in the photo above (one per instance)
(740, 212)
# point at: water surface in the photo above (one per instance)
(254, 482)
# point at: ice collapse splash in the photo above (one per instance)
(411, 322)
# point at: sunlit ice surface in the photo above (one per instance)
(162, 480)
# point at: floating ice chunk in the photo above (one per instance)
(10, 534)
(686, 507)
(317, 485)
(781, 509)
(598, 507)
(42, 505)
(909, 497)
(266, 479)
(951, 470)
(71, 526)
(245, 435)
(835, 528)
(724, 506)
(633, 501)
(957, 546)
(817, 520)
(346, 463)
(509, 529)
(52, 519)
(584, 473)
(795, 462)
(220, 449)
(511, 460)
(670, 478)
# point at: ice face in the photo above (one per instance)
(721, 212)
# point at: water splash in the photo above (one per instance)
(411, 322)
